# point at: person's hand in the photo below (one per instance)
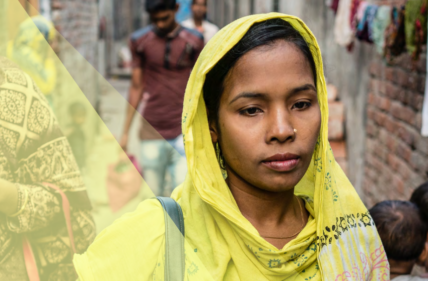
(8, 197)
(124, 142)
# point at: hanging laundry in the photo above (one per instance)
(365, 26)
(415, 26)
(425, 108)
(361, 10)
(343, 32)
(354, 9)
(380, 23)
(395, 39)
(335, 5)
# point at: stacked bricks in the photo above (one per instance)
(396, 153)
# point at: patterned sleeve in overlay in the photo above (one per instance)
(37, 207)
(33, 151)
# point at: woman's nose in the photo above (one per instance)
(280, 128)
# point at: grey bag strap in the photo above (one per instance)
(174, 240)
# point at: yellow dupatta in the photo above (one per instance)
(31, 52)
(340, 241)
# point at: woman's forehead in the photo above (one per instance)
(281, 66)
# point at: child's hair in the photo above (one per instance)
(153, 6)
(401, 229)
(420, 198)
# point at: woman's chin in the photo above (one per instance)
(278, 187)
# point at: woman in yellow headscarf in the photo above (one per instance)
(264, 198)
(32, 49)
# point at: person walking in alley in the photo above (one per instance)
(198, 20)
(163, 55)
(33, 50)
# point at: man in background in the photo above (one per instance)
(163, 55)
(198, 20)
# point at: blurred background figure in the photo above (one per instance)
(45, 213)
(76, 135)
(199, 22)
(163, 55)
(403, 233)
(31, 52)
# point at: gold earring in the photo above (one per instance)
(295, 131)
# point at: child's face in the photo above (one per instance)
(79, 118)
(423, 258)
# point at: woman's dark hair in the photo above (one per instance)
(420, 198)
(401, 229)
(260, 34)
(153, 6)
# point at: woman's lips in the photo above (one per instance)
(282, 162)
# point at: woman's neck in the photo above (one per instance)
(276, 215)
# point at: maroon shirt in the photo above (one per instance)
(166, 63)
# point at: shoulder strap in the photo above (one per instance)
(29, 258)
(174, 240)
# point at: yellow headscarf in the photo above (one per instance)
(31, 51)
(340, 241)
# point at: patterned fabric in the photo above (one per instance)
(33, 151)
(395, 41)
(416, 26)
(381, 22)
(365, 25)
(339, 242)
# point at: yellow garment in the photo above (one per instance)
(31, 51)
(339, 242)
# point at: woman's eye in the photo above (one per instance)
(250, 111)
(302, 105)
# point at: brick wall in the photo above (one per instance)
(396, 153)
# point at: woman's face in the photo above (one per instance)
(269, 118)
